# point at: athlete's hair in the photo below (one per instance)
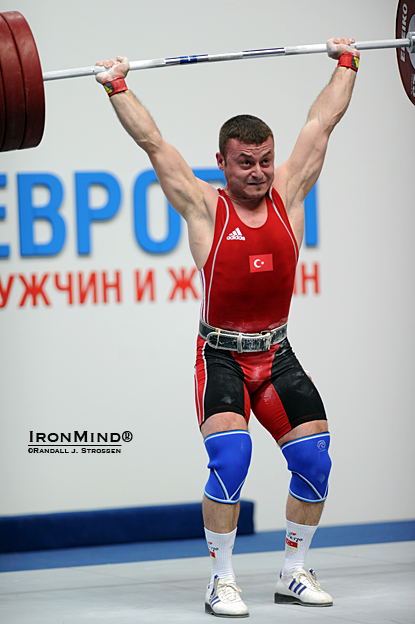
(245, 128)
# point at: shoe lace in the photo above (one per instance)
(308, 579)
(228, 589)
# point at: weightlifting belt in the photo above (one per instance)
(235, 341)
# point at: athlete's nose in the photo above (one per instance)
(256, 171)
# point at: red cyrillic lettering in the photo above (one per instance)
(106, 285)
(183, 283)
(4, 293)
(67, 287)
(313, 277)
(148, 283)
(34, 290)
(92, 284)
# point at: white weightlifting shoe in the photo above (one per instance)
(223, 598)
(301, 588)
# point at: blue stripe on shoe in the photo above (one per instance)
(296, 587)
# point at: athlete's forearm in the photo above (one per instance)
(137, 121)
(333, 101)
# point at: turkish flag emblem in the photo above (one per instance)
(260, 263)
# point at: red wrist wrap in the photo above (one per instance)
(115, 85)
(347, 59)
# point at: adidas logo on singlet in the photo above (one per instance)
(236, 235)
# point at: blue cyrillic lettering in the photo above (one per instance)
(85, 213)
(310, 213)
(146, 242)
(28, 214)
(4, 249)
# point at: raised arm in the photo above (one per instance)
(295, 178)
(193, 198)
(186, 193)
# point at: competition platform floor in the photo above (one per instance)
(372, 583)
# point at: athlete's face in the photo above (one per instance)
(248, 168)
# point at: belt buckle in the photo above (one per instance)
(268, 337)
(212, 335)
(239, 346)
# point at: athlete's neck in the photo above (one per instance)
(253, 212)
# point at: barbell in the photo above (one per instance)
(22, 96)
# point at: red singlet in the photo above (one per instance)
(248, 278)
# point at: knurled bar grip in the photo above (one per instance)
(232, 56)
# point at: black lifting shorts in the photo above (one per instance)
(271, 383)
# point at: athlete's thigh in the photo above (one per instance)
(289, 398)
(219, 383)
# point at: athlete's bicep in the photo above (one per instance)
(297, 176)
(181, 187)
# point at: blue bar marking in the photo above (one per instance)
(184, 60)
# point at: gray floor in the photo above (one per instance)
(371, 584)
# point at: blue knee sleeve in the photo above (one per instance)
(309, 461)
(230, 455)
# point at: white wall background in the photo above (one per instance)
(129, 366)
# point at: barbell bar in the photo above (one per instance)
(408, 42)
(22, 99)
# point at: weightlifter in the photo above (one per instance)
(245, 241)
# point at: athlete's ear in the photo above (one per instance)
(220, 159)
